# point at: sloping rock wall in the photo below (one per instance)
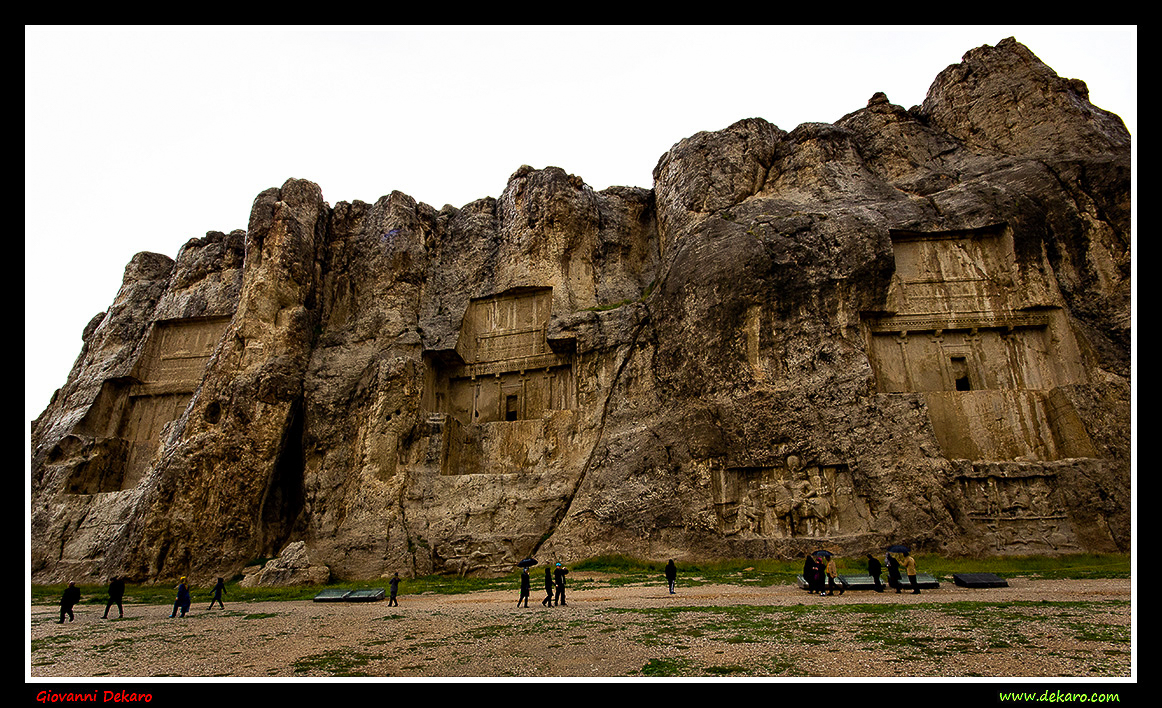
(910, 325)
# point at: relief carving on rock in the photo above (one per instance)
(1019, 510)
(794, 500)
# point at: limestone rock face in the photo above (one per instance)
(907, 326)
(292, 567)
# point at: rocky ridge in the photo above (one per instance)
(909, 325)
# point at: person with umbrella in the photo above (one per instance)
(524, 580)
(524, 587)
(813, 573)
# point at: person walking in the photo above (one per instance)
(524, 587)
(183, 599)
(893, 573)
(116, 594)
(910, 569)
(71, 596)
(874, 569)
(832, 575)
(671, 575)
(394, 584)
(218, 590)
(548, 601)
(559, 576)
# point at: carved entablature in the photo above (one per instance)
(792, 500)
(176, 354)
(931, 322)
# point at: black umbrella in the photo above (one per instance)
(898, 549)
(821, 552)
(528, 562)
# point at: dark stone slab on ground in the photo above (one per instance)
(979, 580)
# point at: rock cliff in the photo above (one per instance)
(906, 326)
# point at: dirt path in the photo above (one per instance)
(1032, 628)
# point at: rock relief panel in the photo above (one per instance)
(794, 500)
(1018, 510)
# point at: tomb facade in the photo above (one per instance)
(986, 360)
(491, 399)
(131, 412)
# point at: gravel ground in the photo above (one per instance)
(1034, 628)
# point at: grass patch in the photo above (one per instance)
(666, 667)
(627, 571)
(334, 663)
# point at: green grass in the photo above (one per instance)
(666, 667)
(765, 571)
(334, 663)
(624, 570)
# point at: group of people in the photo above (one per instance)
(555, 580)
(820, 573)
(816, 571)
(72, 596)
(554, 586)
(182, 603)
(874, 569)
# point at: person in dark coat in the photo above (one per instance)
(183, 599)
(893, 573)
(548, 601)
(218, 590)
(559, 575)
(671, 575)
(394, 584)
(874, 569)
(813, 574)
(71, 597)
(116, 594)
(524, 587)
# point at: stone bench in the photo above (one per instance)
(340, 595)
(865, 582)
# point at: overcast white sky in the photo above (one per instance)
(139, 139)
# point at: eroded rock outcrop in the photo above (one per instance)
(909, 325)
